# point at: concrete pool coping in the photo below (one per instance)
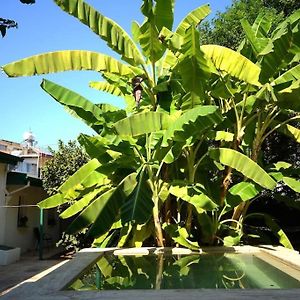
(52, 286)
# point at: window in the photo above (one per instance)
(3, 147)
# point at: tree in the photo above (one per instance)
(181, 164)
(226, 29)
(7, 23)
(66, 160)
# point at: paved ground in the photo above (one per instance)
(28, 268)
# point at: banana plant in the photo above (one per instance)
(156, 166)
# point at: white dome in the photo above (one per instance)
(28, 136)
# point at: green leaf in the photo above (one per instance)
(180, 236)
(221, 136)
(194, 196)
(80, 175)
(102, 212)
(164, 14)
(279, 57)
(233, 63)
(257, 44)
(193, 18)
(106, 87)
(291, 74)
(138, 206)
(288, 97)
(240, 192)
(193, 67)
(149, 41)
(67, 60)
(80, 204)
(290, 131)
(292, 183)
(79, 106)
(193, 123)
(52, 201)
(142, 123)
(114, 35)
(283, 239)
(243, 164)
(230, 241)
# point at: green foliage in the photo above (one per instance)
(182, 163)
(226, 29)
(66, 160)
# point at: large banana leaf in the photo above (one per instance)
(240, 192)
(164, 14)
(78, 106)
(291, 131)
(67, 60)
(282, 237)
(190, 194)
(243, 164)
(106, 87)
(103, 212)
(79, 176)
(193, 18)
(193, 123)
(193, 67)
(289, 97)
(114, 35)
(258, 44)
(292, 74)
(149, 41)
(138, 206)
(142, 123)
(53, 201)
(80, 204)
(279, 57)
(233, 63)
(292, 183)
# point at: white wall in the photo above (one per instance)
(24, 237)
(2, 202)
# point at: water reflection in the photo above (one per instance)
(226, 271)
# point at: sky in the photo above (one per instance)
(44, 27)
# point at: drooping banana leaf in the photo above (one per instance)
(293, 74)
(193, 123)
(292, 183)
(79, 106)
(193, 18)
(53, 201)
(190, 194)
(244, 165)
(240, 192)
(142, 123)
(290, 131)
(288, 98)
(67, 60)
(80, 204)
(106, 87)
(233, 63)
(102, 212)
(114, 35)
(79, 175)
(282, 237)
(138, 206)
